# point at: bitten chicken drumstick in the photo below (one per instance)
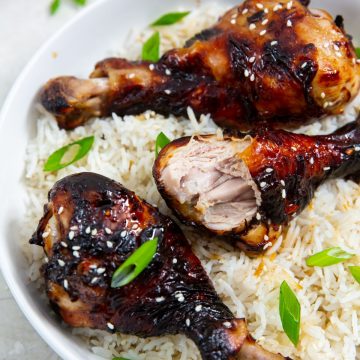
(247, 185)
(269, 60)
(90, 226)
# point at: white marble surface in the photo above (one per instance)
(24, 26)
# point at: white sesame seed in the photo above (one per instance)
(289, 5)
(252, 26)
(61, 209)
(245, 11)
(264, 22)
(252, 59)
(266, 11)
(293, 148)
(273, 43)
(282, 182)
(71, 235)
(227, 324)
(259, 6)
(167, 72)
(76, 254)
(262, 184)
(174, 260)
(262, 32)
(267, 245)
(246, 73)
(358, 61)
(46, 259)
(64, 244)
(76, 247)
(289, 23)
(181, 298)
(304, 65)
(336, 47)
(252, 77)
(151, 67)
(88, 230)
(258, 216)
(234, 16)
(198, 308)
(338, 54)
(94, 232)
(123, 233)
(110, 326)
(269, 170)
(131, 76)
(312, 161)
(74, 227)
(108, 231)
(100, 270)
(277, 7)
(159, 299)
(187, 322)
(93, 266)
(266, 238)
(61, 262)
(233, 21)
(327, 168)
(109, 244)
(66, 284)
(167, 92)
(283, 194)
(323, 95)
(45, 234)
(94, 280)
(357, 148)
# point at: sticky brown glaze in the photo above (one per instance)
(286, 169)
(271, 60)
(90, 226)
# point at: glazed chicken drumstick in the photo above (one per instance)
(90, 226)
(268, 60)
(246, 186)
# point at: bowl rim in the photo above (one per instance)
(18, 294)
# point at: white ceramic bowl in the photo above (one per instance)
(80, 44)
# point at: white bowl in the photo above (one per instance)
(80, 44)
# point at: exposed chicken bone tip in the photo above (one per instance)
(209, 174)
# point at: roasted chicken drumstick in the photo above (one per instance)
(246, 186)
(90, 226)
(269, 60)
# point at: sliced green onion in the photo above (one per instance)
(161, 141)
(355, 272)
(69, 154)
(357, 50)
(54, 6)
(290, 311)
(80, 2)
(170, 18)
(151, 48)
(328, 257)
(135, 264)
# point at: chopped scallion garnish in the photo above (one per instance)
(135, 264)
(161, 141)
(54, 6)
(151, 48)
(170, 18)
(80, 2)
(357, 50)
(69, 154)
(328, 257)
(290, 311)
(355, 272)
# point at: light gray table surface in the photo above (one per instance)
(24, 26)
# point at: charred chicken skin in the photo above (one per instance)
(246, 186)
(269, 60)
(90, 226)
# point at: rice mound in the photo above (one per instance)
(124, 151)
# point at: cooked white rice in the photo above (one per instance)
(124, 150)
